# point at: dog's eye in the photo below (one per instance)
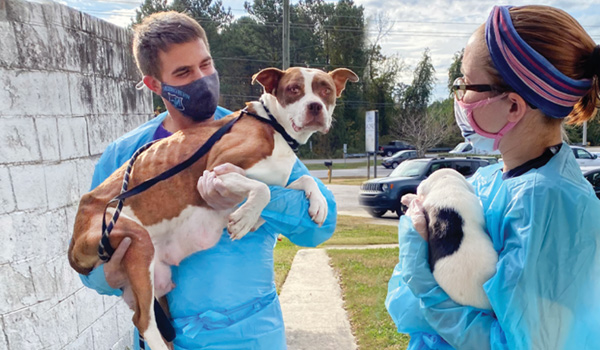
(294, 89)
(326, 92)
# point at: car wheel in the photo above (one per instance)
(394, 165)
(389, 153)
(377, 213)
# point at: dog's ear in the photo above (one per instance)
(268, 78)
(340, 77)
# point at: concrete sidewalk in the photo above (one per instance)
(312, 304)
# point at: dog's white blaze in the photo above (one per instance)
(275, 169)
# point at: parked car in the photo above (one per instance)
(467, 148)
(584, 157)
(397, 158)
(592, 174)
(380, 195)
(393, 147)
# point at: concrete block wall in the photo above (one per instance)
(67, 88)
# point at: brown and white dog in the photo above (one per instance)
(461, 254)
(171, 221)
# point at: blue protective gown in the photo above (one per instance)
(225, 296)
(545, 226)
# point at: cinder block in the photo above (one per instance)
(71, 18)
(34, 92)
(35, 46)
(7, 247)
(46, 325)
(63, 48)
(47, 134)
(82, 94)
(37, 235)
(72, 136)
(9, 55)
(108, 97)
(29, 186)
(125, 343)
(24, 12)
(88, 308)
(84, 341)
(67, 280)
(21, 292)
(3, 345)
(103, 130)
(62, 184)
(7, 197)
(85, 171)
(18, 140)
(105, 331)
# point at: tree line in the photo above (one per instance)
(327, 36)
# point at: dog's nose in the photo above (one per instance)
(315, 108)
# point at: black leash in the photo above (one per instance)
(105, 250)
(275, 124)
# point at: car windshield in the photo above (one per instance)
(410, 168)
(399, 153)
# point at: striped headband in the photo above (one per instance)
(529, 73)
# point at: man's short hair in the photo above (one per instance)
(158, 32)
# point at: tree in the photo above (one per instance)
(454, 70)
(415, 124)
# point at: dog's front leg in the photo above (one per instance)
(247, 217)
(318, 204)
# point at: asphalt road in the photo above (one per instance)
(346, 197)
(360, 172)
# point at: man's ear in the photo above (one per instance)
(268, 78)
(340, 77)
(153, 84)
(518, 107)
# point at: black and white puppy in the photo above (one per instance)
(461, 255)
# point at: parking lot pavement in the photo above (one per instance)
(346, 197)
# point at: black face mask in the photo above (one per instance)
(196, 100)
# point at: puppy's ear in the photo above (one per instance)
(340, 77)
(268, 78)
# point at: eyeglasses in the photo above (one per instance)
(459, 87)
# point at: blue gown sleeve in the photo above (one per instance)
(539, 301)
(463, 327)
(287, 212)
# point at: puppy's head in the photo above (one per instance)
(303, 99)
(443, 178)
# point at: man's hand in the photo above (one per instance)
(214, 192)
(415, 212)
(113, 270)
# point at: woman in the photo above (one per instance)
(525, 72)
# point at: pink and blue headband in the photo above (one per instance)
(529, 73)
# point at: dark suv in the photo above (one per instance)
(380, 195)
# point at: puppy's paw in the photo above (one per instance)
(241, 222)
(318, 207)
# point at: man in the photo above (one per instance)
(224, 297)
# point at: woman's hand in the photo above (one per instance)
(214, 191)
(416, 213)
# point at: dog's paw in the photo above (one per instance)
(241, 222)
(318, 207)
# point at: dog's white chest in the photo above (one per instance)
(275, 169)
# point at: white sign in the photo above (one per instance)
(370, 131)
(345, 148)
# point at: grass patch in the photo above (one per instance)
(364, 275)
(353, 230)
(340, 165)
(283, 255)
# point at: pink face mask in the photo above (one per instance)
(468, 112)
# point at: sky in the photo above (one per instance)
(443, 26)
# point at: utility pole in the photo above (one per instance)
(286, 35)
